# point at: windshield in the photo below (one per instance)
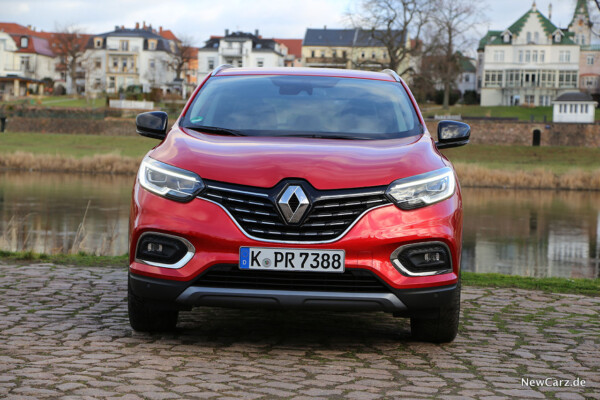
(309, 106)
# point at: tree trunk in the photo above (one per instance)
(446, 95)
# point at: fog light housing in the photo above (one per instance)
(162, 250)
(422, 259)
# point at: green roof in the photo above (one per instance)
(494, 37)
(581, 4)
(466, 65)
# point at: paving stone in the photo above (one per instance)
(64, 333)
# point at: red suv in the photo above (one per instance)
(298, 188)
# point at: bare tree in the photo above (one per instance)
(451, 21)
(182, 55)
(393, 23)
(69, 44)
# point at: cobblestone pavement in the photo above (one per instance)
(64, 333)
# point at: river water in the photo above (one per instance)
(517, 232)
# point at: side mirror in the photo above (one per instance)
(152, 124)
(452, 134)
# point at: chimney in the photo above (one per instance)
(550, 11)
(122, 26)
(144, 25)
(256, 32)
(160, 29)
(226, 32)
(116, 27)
(29, 27)
(325, 27)
(137, 25)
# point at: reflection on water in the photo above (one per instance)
(532, 232)
(54, 213)
(519, 232)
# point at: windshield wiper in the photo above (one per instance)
(216, 129)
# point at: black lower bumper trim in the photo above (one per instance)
(402, 302)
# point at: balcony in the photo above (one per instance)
(329, 61)
(130, 71)
(233, 52)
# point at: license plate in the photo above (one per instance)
(273, 259)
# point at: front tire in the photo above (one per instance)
(444, 327)
(146, 317)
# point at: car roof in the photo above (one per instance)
(288, 71)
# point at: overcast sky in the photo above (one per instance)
(201, 18)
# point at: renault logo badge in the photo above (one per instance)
(293, 203)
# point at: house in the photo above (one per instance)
(466, 80)
(26, 59)
(530, 62)
(294, 52)
(349, 49)
(240, 49)
(127, 57)
(574, 107)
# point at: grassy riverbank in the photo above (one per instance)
(590, 287)
(477, 165)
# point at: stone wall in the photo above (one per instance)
(522, 133)
(482, 132)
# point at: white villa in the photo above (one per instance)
(530, 62)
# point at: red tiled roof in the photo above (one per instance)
(294, 46)
(167, 34)
(14, 29)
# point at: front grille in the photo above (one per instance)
(352, 280)
(330, 214)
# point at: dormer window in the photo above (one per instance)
(151, 44)
(506, 38)
(258, 45)
(24, 41)
(557, 38)
(97, 43)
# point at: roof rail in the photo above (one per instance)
(392, 73)
(220, 68)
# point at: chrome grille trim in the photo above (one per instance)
(331, 215)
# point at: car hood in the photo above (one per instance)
(324, 163)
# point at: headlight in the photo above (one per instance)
(422, 190)
(168, 181)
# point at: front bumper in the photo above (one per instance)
(368, 244)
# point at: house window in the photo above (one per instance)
(152, 63)
(344, 54)
(211, 63)
(152, 45)
(334, 54)
(115, 63)
(557, 38)
(260, 62)
(124, 45)
(124, 63)
(362, 55)
(564, 56)
(534, 56)
(527, 56)
(542, 56)
(590, 60)
(536, 37)
(520, 56)
(25, 64)
(530, 99)
(98, 63)
(466, 77)
(322, 53)
(240, 63)
(312, 53)
(373, 55)
(24, 41)
(98, 43)
(493, 78)
(385, 55)
(499, 55)
(111, 82)
(506, 38)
